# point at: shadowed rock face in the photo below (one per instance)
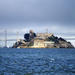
(29, 42)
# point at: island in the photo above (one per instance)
(42, 40)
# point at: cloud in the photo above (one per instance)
(56, 15)
(37, 27)
(37, 11)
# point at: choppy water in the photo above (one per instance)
(37, 61)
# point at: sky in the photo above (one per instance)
(39, 15)
(58, 16)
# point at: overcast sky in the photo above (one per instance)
(22, 15)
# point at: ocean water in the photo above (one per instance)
(37, 61)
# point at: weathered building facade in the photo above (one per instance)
(41, 43)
